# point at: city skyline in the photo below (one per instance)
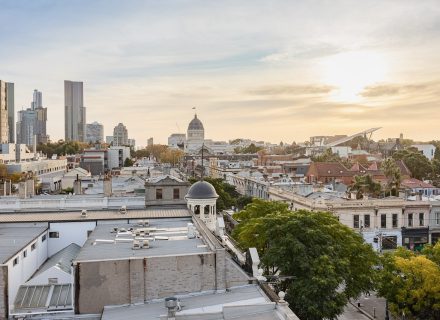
(263, 70)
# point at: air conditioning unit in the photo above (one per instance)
(144, 223)
(84, 214)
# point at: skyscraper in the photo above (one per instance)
(74, 112)
(11, 110)
(37, 100)
(32, 122)
(120, 135)
(94, 132)
(4, 114)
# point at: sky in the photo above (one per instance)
(267, 70)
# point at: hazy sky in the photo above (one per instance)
(269, 70)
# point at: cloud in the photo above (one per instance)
(396, 89)
(291, 90)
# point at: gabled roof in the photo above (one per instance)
(62, 259)
(332, 169)
(403, 168)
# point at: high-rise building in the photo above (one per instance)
(94, 132)
(4, 113)
(37, 101)
(150, 141)
(32, 122)
(11, 110)
(120, 135)
(74, 112)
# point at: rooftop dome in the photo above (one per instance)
(201, 190)
(195, 124)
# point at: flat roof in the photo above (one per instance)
(174, 229)
(13, 239)
(92, 215)
(255, 305)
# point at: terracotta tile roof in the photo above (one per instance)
(413, 183)
(332, 169)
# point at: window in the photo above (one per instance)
(383, 220)
(395, 220)
(356, 221)
(421, 219)
(15, 261)
(437, 218)
(410, 219)
(389, 242)
(54, 234)
(33, 246)
(24, 253)
(176, 193)
(367, 221)
(158, 194)
(43, 238)
(52, 280)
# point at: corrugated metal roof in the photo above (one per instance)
(62, 259)
(94, 215)
(13, 239)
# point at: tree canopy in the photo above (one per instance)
(416, 162)
(327, 262)
(62, 147)
(411, 283)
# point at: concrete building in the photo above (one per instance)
(165, 190)
(428, 150)
(117, 156)
(75, 112)
(150, 141)
(11, 110)
(4, 112)
(132, 143)
(32, 122)
(195, 135)
(177, 141)
(120, 135)
(22, 251)
(94, 132)
(109, 140)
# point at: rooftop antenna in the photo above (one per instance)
(195, 112)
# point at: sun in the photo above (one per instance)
(351, 72)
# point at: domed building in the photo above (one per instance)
(201, 200)
(195, 134)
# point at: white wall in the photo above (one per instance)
(53, 272)
(26, 267)
(69, 232)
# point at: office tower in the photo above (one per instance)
(94, 132)
(75, 112)
(120, 135)
(4, 114)
(37, 100)
(32, 122)
(11, 110)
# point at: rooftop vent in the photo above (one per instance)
(140, 244)
(83, 213)
(171, 304)
(123, 210)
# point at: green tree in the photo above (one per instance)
(128, 162)
(417, 163)
(393, 174)
(329, 263)
(411, 285)
(365, 185)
